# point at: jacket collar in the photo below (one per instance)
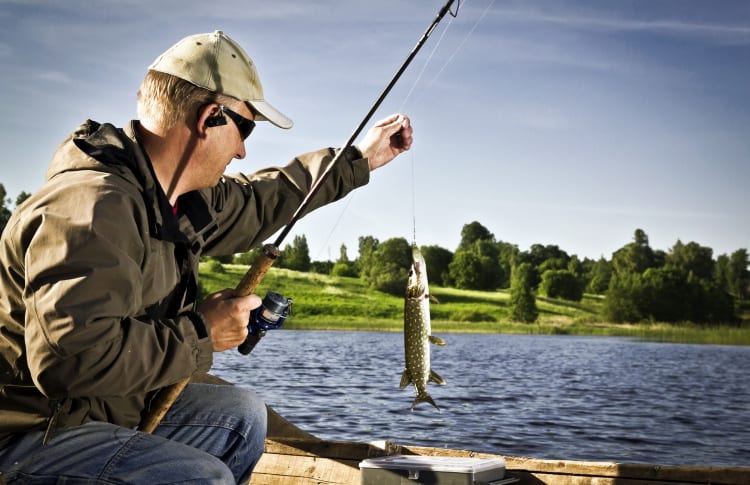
(192, 221)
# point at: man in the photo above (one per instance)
(98, 278)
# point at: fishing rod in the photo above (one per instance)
(253, 277)
(271, 251)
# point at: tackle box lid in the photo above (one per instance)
(435, 463)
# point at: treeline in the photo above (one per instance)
(638, 283)
(5, 201)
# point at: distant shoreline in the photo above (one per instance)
(658, 332)
(323, 302)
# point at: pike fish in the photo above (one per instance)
(417, 332)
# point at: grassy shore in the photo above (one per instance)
(324, 302)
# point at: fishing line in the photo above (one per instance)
(429, 58)
(450, 58)
(427, 88)
(335, 225)
(413, 196)
(453, 14)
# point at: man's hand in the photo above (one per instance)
(228, 316)
(387, 139)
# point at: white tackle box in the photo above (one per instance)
(434, 470)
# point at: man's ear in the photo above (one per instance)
(209, 115)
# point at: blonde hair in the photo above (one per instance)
(166, 100)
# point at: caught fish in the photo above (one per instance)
(417, 332)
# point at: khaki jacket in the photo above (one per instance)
(98, 276)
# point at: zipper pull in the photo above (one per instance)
(56, 406)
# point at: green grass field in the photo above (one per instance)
(324, 302)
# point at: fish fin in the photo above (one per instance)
(433, 299)
(405, 380)
(425, 397)
(436, 340)
(434, 377)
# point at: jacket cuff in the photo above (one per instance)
(360, 165)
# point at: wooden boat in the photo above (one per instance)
(294, 456)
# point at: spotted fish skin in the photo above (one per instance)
(417, 332)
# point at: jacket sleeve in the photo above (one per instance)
(249, 209)
(86, 245)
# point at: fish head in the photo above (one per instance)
(417, 284)
(417, 261)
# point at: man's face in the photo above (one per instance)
(223, 144)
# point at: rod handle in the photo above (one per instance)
(160, 405)
(258, 270)
(250, 282)
(168, 395)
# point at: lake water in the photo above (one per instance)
(556, 397)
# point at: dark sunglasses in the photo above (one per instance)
(244, 125)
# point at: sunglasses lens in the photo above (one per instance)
(244, 125)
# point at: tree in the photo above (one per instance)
(691, 258)
(4, 211)
(666, 294)
(550, 254)
(601, 273)
(561, 283)
(344, 269)
(437, 260)
(296, 256)
(248, 258)
(476, 266)
(390, 266)
(465, 269)
(343, 266)
(22, 197)
(635, 257)
(543, 257)
(738, 276)
(343, 257)
(507, 257)
(522, 301)
(623, 298)
(367, 247)
(321, 267)
(721, 272)
(473, 232)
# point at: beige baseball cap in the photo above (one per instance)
(217, 63)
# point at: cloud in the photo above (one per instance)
(53, 77)
(716, 33)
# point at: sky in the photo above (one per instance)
(570, 123)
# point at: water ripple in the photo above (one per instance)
(556, 397)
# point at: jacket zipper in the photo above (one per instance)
(56, 406)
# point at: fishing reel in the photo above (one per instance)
(270, 315)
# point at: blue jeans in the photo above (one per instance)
(212, 434)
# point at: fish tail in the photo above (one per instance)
(424, 397)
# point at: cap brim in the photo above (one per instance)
(265, 111)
